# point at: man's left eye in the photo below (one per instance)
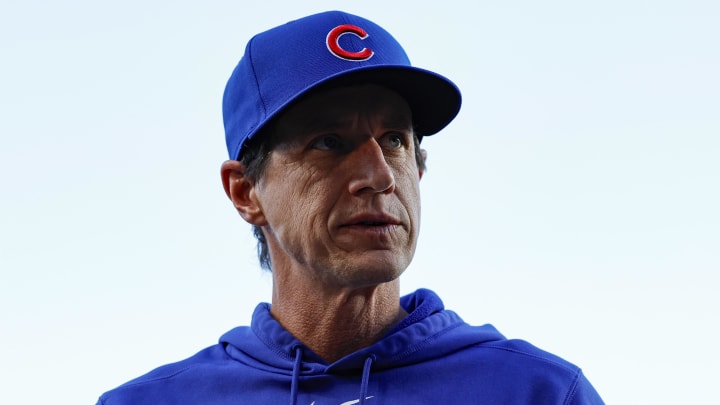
(394, 140)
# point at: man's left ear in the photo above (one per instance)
(421, 171)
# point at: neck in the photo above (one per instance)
(336, 323)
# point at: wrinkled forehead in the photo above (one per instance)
(345, 107)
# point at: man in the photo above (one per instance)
(323, 119)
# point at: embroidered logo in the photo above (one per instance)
(333, 44)
(354, 401)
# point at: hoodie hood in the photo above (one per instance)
(428, 332)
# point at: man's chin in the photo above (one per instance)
(375, 267)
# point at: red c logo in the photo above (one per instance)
(334, 47)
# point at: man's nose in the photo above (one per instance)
(370, 171)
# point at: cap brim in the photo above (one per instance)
(433, 99)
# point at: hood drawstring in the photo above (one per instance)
(366, 378)
(294, 385)
(295, 376)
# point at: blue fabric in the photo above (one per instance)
(436, 359)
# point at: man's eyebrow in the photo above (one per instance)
(397, 121)
(321, 123)
(312, 124)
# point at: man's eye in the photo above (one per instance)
(327, 142)
(394, 140)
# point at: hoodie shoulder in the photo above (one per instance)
(530, 353)
(156, 383)
(542, 373)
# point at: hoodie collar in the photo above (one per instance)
(267, 345)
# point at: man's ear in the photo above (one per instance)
(421, 170)
(241, 191)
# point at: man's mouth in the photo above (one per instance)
(372, 223)
(372, 220)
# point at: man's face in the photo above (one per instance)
(340, 194)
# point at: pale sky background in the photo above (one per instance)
(573, 202)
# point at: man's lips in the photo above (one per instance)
(377, 227)
(371, 220)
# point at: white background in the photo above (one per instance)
(573, 203)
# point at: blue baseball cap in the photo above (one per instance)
(327, 49)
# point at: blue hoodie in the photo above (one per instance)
(432, 357)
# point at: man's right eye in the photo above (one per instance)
(327, 142)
